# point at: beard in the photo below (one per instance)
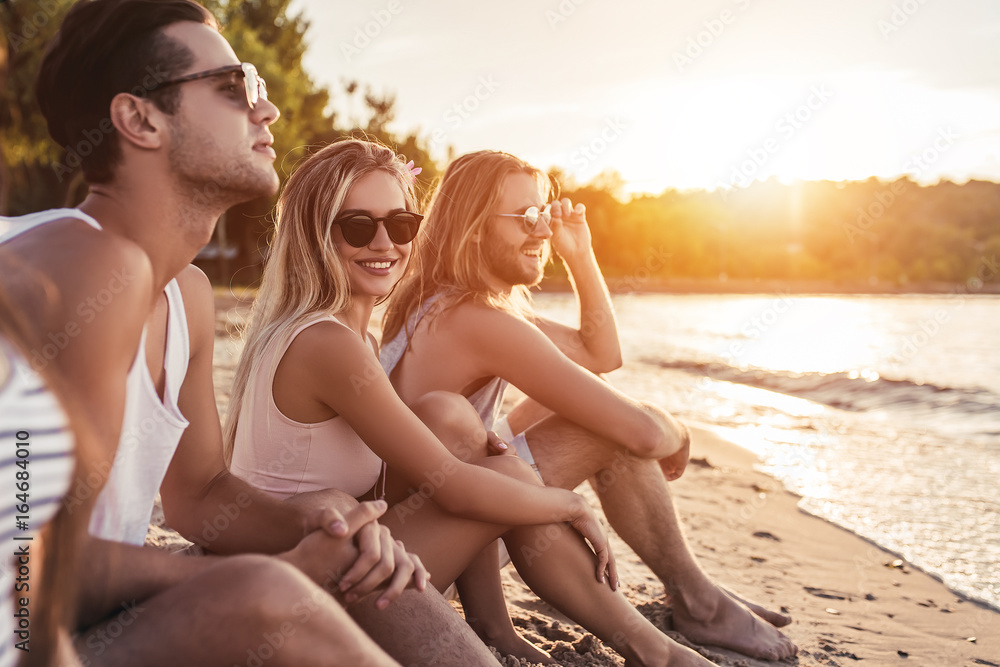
(215, 177)
(505, 261)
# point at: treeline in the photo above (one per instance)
(874, 234)
(36, 174)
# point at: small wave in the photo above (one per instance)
(846, 390)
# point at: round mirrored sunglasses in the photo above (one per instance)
(531, 217)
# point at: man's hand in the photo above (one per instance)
(673, 466)
(353, 554)
(570, 232)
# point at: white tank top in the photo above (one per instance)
(151, 428)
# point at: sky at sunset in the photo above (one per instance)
(683, 94)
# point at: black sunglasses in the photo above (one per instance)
(360, 228)
(253, 83)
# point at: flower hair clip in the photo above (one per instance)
(414, 171)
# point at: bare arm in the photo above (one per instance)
(210, 506)
(337, 358)
(112, 574)
(199, 494)
(595, 344)
(522, 354)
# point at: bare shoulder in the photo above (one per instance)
(199, 303)
(193, 282)
(327, 342)
(327, 356)
(480, 322)
(196, 290)
(82, 275)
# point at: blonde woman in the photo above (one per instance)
(312, 410)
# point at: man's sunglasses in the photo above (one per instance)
(360, 228)
(253, 83)
(531, 217)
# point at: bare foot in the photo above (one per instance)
(519, 647)
(677, 656)
(725, 622)
(772, 617)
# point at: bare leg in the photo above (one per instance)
(486, 609)
(242, 610)
(417, 628)
(456, 424)
(421, 629)
(554, 561)
(639, 506)
(528, 412)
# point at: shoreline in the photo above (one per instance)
(850, 598)
(639, 284)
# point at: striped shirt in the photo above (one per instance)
(36, 463)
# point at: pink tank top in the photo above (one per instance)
(285, 457)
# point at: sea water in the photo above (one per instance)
(882, 412)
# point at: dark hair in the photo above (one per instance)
(103, 48)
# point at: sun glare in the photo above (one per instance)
(732, 132)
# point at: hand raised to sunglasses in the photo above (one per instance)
(570, 233)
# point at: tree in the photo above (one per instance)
(27, 154)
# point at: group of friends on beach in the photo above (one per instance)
(350, 485)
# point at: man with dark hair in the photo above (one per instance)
(172, 129)
(488, 235)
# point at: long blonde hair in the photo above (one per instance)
(305, 273)
(451, 257)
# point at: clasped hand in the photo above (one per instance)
(352, 555)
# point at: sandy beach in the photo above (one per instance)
(851, 600)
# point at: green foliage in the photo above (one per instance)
(263, 32)
(871, 232)
(27, 155)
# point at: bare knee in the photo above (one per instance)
(624, 468)
(454, 421)
(323, 499)
(277, 605)
(661, 435)
(512, 466)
